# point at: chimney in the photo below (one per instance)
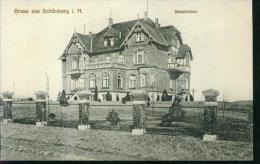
(145, 15)
(110, 22)
(90, 34)
(157, 23)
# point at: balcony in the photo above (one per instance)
(178, 67)
(100, 65)
(75, 71)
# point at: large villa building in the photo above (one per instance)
(136, 54)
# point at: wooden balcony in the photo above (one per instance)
(178, 67)
(101, 65)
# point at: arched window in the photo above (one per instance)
(142, 80)
(139, 57)
(132, 81)
(119, 81)
(105, 80)
(92, 81)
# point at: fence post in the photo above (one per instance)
(84, 110)
(41, 108)
(84, 116)
(139, 112)
(7, 108)
(210, 115)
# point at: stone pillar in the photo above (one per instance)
(84, 99)
(7, 111)
(83, 116)
(139, 115)
(41, 108)
(210, 115)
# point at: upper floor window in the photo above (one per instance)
(119, 81)
(142, 80)
(74, 65)
(174, 50)
(187, 59)
(109, 41)
(105, 80)
(107, 59)
(81, 84)
(139, 36)
(81, 63)
(152, 79)
(171, 58)
(132, 81)
(178, 43)
(92, 81)
(121, 60)
(139, 57)
(186, 83)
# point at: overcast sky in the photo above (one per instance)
(220, 35)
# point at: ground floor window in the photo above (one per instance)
(132, 81)
(119, 81)
(92, 81)
(105, 80)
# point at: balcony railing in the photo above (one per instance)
(178, 67)
(102, 65)
(75, 71)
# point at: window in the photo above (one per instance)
(142, 80)
(107, 59)
(139, 57)
(81, 84)
(92, 81)
(119, 81)
(81, 63)
(171, 84)
(186, 83)
(73, 65)
(187, 59)
(105, 79)
(73, 84)
(121, 60)
(139, 36)
(109, 41)
(152, 80)
(132, 81)
(171, 58)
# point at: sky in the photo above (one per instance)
(219, 34)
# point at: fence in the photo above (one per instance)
(232, 124)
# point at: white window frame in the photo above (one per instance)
(139, 36)
(132, 81)
(92, 81)
(119, 81)
(142, 80)
(105, 80)
(137, 54)
(121, 59)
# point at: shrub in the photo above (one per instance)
(127, 97)
(117, 98)
(164, 96)
(158, 98)
(108, 97)
(63, 99)
(96, 94)
(113, 118)
(123, 100)
(191, 98)
(186, 98)
(175, 113)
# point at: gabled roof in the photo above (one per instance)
(183, 50)
(168, 33)
(161, 35)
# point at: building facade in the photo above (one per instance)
(137, 54)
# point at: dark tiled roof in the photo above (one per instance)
(161, 35)
(183, 50)
(168, 33)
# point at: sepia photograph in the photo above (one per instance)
(126, 80)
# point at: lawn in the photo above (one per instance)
(29, 142)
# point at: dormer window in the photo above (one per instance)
(139, 37)
(109, 41)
